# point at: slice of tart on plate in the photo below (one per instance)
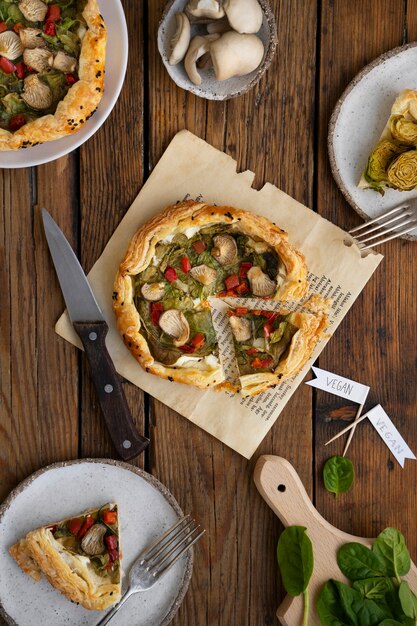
(272, 346)
(393, 161)
(80, 556)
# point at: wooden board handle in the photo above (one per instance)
(109, 390)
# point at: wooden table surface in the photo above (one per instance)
(48, 408)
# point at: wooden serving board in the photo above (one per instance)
(281, 487)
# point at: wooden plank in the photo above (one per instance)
(111, 174)
(376, 342)
(235, 577)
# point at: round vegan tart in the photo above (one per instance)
(177, 261)
(52, 58)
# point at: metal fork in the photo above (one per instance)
(386, 226)
(157, 559)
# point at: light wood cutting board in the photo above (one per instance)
(281, 487)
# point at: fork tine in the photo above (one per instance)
(393, 236)
(383, 225)
(376, 219)
(146, 552)
(155, 563)
(168, 566)
(164, 545)
(393, 229)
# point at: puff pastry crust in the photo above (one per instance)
(405, 106)
(81, 100)
(190, 216)
(72, 574)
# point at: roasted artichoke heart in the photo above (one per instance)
(402, 173)
(404, 130)
(380, 159)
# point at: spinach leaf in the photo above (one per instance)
(391, 548)
(329, 608)
(295, 559)
(390, 622)
(338, 474)
(408, 600)
(374, 588)
(358, 562)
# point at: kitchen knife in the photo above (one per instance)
(89, 323)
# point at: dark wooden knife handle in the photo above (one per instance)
(110, 392)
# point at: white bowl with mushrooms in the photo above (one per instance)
(217, 49)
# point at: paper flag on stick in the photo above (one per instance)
(390, 435)
(339, 386)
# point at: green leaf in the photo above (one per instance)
(295, 559)
(329, 608)
(338, 474)
(358, 562)
(391, 548)
(277, 334)
(390, 622)
(408, 600)
(374, 588)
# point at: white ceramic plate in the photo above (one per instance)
(116, 63)
(147, 509)
(357, 123)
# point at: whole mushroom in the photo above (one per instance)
(38, 59)
(32, 38)
(33, 10)
(10, 45)
(198, 47)
(93, 541)
(36, 94)
(181, 39)
(234, 54)
(245, 16)
(204, 11)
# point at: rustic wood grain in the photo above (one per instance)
(376, 342)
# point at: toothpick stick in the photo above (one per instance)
(352, 432)
(345, 430)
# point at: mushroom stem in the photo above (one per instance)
(199, 45)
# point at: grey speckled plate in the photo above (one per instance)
(211, 88)
(357, 123)
(146, 508)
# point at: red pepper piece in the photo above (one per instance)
(7, 66)
(71, 79)
(267, 330)
(199, 246)
(111, 542)
(110, 517)
(187, 348)
(231, 282)
(242, 289)
(170, 274)
(244, 268)
(20, 70)
(54, 13)
(240, 311)
(114, 555)
(258, 363)
(3, 27)
(185, 264)
(198, 341)
(88, 522)
(257, 312)
(156, 310)
(17, 121)
(270, 315)
(252, 351)
(49, 29)
(74, 525)
(18, 27)
(222, 294)
(231, 293)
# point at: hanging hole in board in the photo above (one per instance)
(282, 488)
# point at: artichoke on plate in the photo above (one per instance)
(404, 130)
(402, 172)
(380, 159)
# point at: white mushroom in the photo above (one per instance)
(236, 55)
(181, 39)
(10, 45)
(203, 274)
(64, 62)
(205, 10)
(36, 94)
(260, 283)
(241, 328)
(153, 291)
(199, 45)
(224, 249)
(38, 59)
(174, 323)
(245, 16)
(219, 26)
(33, 10)
(92, 542)
(31, 38)
(81, 30)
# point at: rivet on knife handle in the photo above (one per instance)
(109, 390)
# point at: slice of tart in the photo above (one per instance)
(272, 346)
(393, 161)
(80, 556)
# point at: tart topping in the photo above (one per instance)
(204, 274)
(153, 291)
(63, 62)
(31, 38)
(36, 94)
(261, 284)
(174, 323)
(38, 59)
(33, 10)
(92, 542)
(241, 328)
(224, 249)
(10, 45)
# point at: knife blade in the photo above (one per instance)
(88, 321)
